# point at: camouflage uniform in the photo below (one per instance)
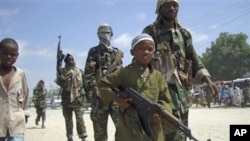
(176, 58)
(246, 92)
(39, 100)
(154, 88)
(98, 60)
(100, 112)
(73, 95)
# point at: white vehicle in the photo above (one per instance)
(48, 102)
(238, 85)
(56, 102)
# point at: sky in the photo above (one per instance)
(36, 25)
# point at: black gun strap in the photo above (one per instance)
(100, 62)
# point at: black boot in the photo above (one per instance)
(37, 122)
(84, 136)
(70, 138)
(43, 124)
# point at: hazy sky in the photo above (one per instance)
(36, 25)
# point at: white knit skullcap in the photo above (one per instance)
(141, 37)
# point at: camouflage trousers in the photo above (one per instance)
(181, 103)
(41, 113)
(68, 116)
(99, 116)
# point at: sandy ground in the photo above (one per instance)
(205, 123)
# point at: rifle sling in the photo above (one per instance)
(118, 58)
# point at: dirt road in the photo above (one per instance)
(204, 123)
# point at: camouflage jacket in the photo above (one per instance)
(39, 97)
(71, 84)
(246, 91)
(97, 63)
(176, 43)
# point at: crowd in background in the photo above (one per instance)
(232, 93)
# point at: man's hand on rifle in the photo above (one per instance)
(60, 70)
(124, 103)
(157, 119)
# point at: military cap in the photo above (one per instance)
(161, 2)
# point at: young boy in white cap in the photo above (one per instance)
(142, 77)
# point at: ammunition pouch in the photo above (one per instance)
(78, 101)
(186, 76)
(157, 63)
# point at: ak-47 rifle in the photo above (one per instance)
(111, 68)
(147, 108)
(60, 56)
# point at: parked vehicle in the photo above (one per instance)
(48, 102)
(56, 102)
(240, 83)
(31, 104)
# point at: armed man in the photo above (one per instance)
(69, 78)
(176, 58)
(102, 60)
(246, 92)
(39, 100)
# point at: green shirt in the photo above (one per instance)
(154, 88)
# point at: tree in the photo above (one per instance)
(229, 56)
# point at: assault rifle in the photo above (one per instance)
(146, 108)
(111, 68)
(60, 56)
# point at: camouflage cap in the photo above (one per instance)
(41, 81)
(161, 2)
(104, 27)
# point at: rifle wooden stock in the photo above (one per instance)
(176, 122)
(116, 62)
(147, 108)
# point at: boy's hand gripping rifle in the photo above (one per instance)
(147, 108)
